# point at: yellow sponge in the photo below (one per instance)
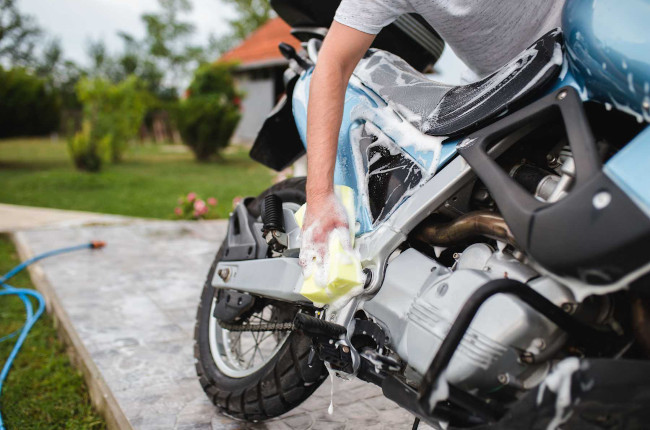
(344, 272)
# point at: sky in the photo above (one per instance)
(74, 22)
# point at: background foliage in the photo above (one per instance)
(251, 14)
(28, 105)
(208, 117)
(119, 96)
(112, 114)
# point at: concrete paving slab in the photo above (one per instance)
(131, 308)
(15, 218)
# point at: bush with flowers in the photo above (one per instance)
(192, 206)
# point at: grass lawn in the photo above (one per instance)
(43, 391)
(38, 172)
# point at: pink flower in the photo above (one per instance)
(212, 201)
(191, 197)
(200, 207)
(196, 214)
(236, 201)
(178, 211)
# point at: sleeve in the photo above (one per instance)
(370, 16)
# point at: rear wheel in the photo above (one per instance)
(255, 375)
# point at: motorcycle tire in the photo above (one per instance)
(286, 379)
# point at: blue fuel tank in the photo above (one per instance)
(608, 46)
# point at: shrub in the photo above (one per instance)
(193, 207)
(208, 116)
(87, 151)
(28, 106)
(113, 112)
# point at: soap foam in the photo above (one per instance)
(314, 255)
(330, 409)
(559, 382)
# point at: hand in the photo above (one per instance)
(324, 215)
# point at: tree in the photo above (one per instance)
(28, 105)
(18, 35)
(251, 14)
(168, 41)
(207, 118)
(112, 114)
(60, 74)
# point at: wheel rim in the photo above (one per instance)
(240, 354)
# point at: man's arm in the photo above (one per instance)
(341, 51)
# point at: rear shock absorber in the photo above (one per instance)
(273, 223)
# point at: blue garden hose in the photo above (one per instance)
(24, 295)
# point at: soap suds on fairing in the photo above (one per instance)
(385, 121)
(393, 136)
(630, 82)
(410, 92)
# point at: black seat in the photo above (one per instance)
(444, 110)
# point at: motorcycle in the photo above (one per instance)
(503, 228)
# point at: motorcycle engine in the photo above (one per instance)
(508, 343)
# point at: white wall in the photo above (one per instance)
(256, 105)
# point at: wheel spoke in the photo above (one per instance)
(256, 337)
(244, 351)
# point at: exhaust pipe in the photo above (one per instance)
(481, 223)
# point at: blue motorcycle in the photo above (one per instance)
(503, 228)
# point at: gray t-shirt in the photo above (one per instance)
(485, 34)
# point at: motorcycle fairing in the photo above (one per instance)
(607, 47)
(600, 243)
(367, 117)
(378, 114)
(629, 170)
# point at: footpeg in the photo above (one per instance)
(315, 327)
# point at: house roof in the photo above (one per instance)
(260, 48)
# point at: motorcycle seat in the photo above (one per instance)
(446, 110)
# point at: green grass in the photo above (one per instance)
(38, 172)
(43, 390)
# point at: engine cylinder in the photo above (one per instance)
(420, 299)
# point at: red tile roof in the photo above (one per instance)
(262, 44)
